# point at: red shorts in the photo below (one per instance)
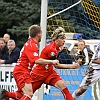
(47, 77)
(22, 77)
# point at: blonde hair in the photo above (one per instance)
(58, 33)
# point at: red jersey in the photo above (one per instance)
(28, 55)
(49, 52)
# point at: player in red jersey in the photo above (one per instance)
(46, 73)
(28, 57)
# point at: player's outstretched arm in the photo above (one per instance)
(45, 61)
(67, 66)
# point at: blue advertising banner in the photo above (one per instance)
(72, 79)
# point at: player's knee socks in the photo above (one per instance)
(26, 97)
(14, 95)
(67, 95)
(74, 95)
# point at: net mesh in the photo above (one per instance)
(83, 18)
(93, 12)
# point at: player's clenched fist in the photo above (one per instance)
(55, 62)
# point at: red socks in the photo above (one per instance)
(14, 95)
(67, 94)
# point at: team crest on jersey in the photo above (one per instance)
(35, 54)
(52, 53)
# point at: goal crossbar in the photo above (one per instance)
(64, 9)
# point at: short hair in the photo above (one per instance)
(76, 45)
(82, 41)
(2, 39)
(11, 41)
(34, 30)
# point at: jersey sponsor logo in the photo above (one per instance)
(46, 67)
(52, 53)
(35, 54)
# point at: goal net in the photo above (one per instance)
(78, 17)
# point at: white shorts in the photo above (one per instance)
(91, 77)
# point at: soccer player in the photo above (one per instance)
(92, 76)
(28, 57)
(45, 73)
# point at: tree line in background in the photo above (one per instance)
(16, 16)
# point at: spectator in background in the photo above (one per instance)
(3, 48)
(74, 52)
(12, 54)
(6, 37)
(83, 52)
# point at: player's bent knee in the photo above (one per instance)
(60, 85)
(30, 94)
(28, 91)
